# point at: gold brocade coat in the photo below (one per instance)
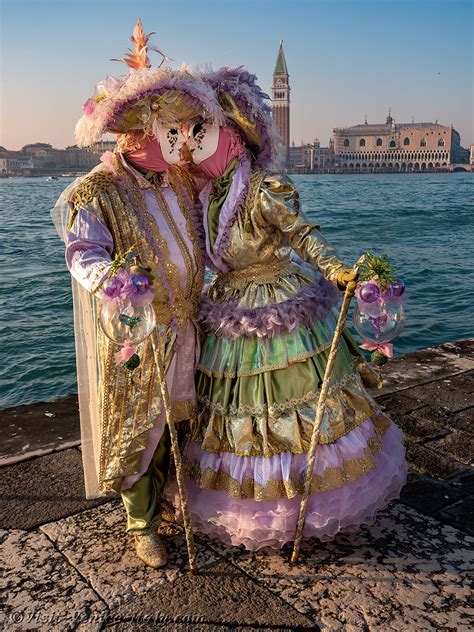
(118, 406)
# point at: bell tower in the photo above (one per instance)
(281, 99)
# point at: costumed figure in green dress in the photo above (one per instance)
(268, 318)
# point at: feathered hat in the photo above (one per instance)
(132, 102)
(244, 107)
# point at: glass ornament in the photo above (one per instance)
(382, 327)
(388, 293)
(399, 288)
(112, 286)
(141, 282)
(127, 322)
(369, 293)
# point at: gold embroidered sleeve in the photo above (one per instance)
(88, 193)
(280, 206)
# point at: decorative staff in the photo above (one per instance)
(127, 318)
(349, 293)
(183, 495)
(385, 319)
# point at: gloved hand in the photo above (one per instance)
(345, 276)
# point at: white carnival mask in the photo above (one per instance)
(201, 139)
(171, 139)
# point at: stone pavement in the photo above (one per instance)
(70, 566)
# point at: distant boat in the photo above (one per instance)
(53, 178)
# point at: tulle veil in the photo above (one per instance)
(85, 330)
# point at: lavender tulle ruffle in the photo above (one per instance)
(313, 302)
(272, 523)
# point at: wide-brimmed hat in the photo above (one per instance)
(132, 102)
(244, 106)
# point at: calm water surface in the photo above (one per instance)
(425, 223)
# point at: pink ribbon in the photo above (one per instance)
(125, 353)
(384, 347)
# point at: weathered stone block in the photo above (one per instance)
(43, 489)
(95, 542)
(405, 572)
(220, 594)
(460, 515)
(458, 444)
(41, 590)
(39, 427)
(430, 462)
(429, 496)
(399, 404)
(442, 395)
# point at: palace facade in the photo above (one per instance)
(392, 146)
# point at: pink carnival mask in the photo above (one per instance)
(212, 148)
(149, 157)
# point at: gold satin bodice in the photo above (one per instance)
(270, 224)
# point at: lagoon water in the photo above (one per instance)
(423, 222)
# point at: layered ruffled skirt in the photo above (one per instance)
(246, 453)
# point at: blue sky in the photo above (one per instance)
(346, 59)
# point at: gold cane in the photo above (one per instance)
(348, 294)
(183, 495)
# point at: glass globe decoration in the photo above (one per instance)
(381, 327)
(124, 322)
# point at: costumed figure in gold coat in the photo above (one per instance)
(136, 206)
(269, 316)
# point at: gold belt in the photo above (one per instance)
(260, 274)
(182, 310)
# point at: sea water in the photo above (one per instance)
(423, 222)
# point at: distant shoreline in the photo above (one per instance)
(468, 169)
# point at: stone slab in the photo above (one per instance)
(407, 571)
(38, 429)
(220, 594)
(41, 590)
(430, 496)
(96, 544)
(458, 444)
(400, 403)
(42, 490)
(193, 627)
(419, 428)
(460, 515)
(463, 480)
(426, 365)
(430, 462)
(441, 394)
(463, 420)
(462, 382)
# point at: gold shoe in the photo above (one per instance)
(167, 511)
(150, 549)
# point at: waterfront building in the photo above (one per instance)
(12, 162)
(300, 158)
(471, 155)
(392, 146)
(281, 100)
(43, 158)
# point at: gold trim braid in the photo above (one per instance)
(260, 274)
(332, 478)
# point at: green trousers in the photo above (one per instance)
(143, 500)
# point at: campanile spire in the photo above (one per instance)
(281, 98)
